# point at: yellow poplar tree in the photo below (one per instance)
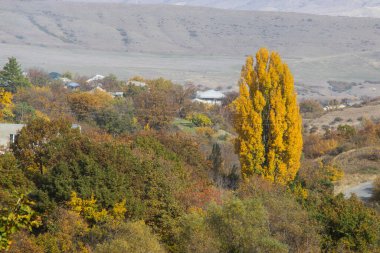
(267, 119)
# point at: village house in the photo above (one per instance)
(55, 75)
(8, 133)
(209, 97)
(95, 78)
(117, 94)
(72, 85)
(334, 107)
(136, 83)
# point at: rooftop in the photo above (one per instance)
(210, 94)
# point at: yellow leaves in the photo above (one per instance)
(300, 192)
(89, 209)
(75, 203)
(120, 209)
(42, 115)
(6, 104)
(85, 103)
(333, 172)
(147, 127)
(267, 119)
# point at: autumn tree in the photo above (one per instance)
(159, 102)
(5, 104)
(34, 101)
(38, 77)
(349, 226)
(85, 104)
(311, 108)
(21, 216)
(267, 119)
(30, 147)
(12, 76)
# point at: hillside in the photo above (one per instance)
(355, 8)
(175, 29)
(186, 43)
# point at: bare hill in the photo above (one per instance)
(209, 43)
(175, 29)
(357, 8)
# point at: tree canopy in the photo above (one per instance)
(267, 119)
(12, 77)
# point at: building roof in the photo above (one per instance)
(73, 85)
(117, 93)
(95, 78)
(65, 80)
(136, 83)
(55, 75)
(210, 94)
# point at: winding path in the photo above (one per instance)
(363, 190)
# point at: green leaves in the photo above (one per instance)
(348, 225)
(21, 216)
(12, 76)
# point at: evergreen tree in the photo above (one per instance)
(216, 159)
(12, 77)
(267, 119)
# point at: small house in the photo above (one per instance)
(209, 97)
(65, 80)
(136, 83)
(8, 133)
(55, 75)
(117, 94)
(95, 78)
(73, 85)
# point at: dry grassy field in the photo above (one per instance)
(351, 116)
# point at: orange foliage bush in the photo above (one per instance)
(315, 145)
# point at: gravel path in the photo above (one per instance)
(363, 190)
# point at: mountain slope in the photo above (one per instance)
(181, 30)
(182, 43)
(356, 8)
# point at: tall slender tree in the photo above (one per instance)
(267, 119)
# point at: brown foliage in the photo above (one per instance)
(38, 77)
(316, 145)
(288, 221)
(84, 104)
(22, 242)
(311, 108)
(160, 102)
(50, 100)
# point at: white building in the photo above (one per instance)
(334, 107)
(8, 133)
(116, 94)
(95, 78)
(136, 83)
(209, 97)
